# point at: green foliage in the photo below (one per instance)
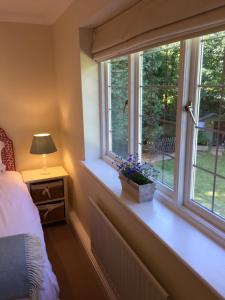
(204, 138)
(213, 75)
(159, 91)
(138, 178)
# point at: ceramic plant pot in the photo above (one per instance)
(140, 193)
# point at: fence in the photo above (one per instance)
(162, 145)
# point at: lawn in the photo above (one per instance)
(203, 180)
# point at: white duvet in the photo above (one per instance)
(18, 215)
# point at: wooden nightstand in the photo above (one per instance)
(49, 193)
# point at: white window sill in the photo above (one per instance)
(200, 253)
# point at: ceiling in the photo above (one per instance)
(32, 11)
(47, 11)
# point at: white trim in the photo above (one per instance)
(194, 218)
(86, 242)
(108, 106)
(131, 103)
(102, 109)
(213, 218)
(138, 103)
(181, 121)
(190, 126)
(110, 160)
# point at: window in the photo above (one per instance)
(145, 96)
(159, 73)
(208, 161)
(118, 106)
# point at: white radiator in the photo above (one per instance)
(124, 271)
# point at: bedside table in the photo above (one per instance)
(49, 193)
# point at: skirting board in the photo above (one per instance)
(86, 242)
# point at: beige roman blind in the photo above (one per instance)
(152, 22)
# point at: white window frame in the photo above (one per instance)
(191, 138)
(179, 198)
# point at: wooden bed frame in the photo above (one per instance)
(8, 157)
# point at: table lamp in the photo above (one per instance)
(42, 143)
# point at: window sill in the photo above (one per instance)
(181, 237)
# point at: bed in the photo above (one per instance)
(19, 215)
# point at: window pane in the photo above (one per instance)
(158, 102)
(220, 170)
(160, 65)
(203, 190)
(209, 184)
(219, 202)
(118, 106)
(206, 152)
(211, 104)
(213, 46)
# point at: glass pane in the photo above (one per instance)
(221, 156)
(211, 109)
(219, 199)
(206, 152)
(209, 189)
(118, 109)
(203, 188)
(160, 65)
(213, 46)
(158, 101)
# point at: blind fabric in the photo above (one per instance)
(152, 22)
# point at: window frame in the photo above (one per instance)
(191, 137)
(178, 198)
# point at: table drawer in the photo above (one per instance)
(50, 190)
(52, 212)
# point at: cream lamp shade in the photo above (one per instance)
(43, 144)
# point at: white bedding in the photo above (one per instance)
(18, 215)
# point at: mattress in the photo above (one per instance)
(18, 215)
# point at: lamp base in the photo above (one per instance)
(44, 170)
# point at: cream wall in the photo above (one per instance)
(76, 98)
(68, 60)
(90, 96)
(27, 89)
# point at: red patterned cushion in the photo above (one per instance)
(8, 157)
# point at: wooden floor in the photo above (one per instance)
(76, 276)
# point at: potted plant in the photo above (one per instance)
(136, 177)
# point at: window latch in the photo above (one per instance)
(188, 108)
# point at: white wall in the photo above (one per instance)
(90, 96)
(28, 101)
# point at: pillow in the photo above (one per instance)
(2, 166)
